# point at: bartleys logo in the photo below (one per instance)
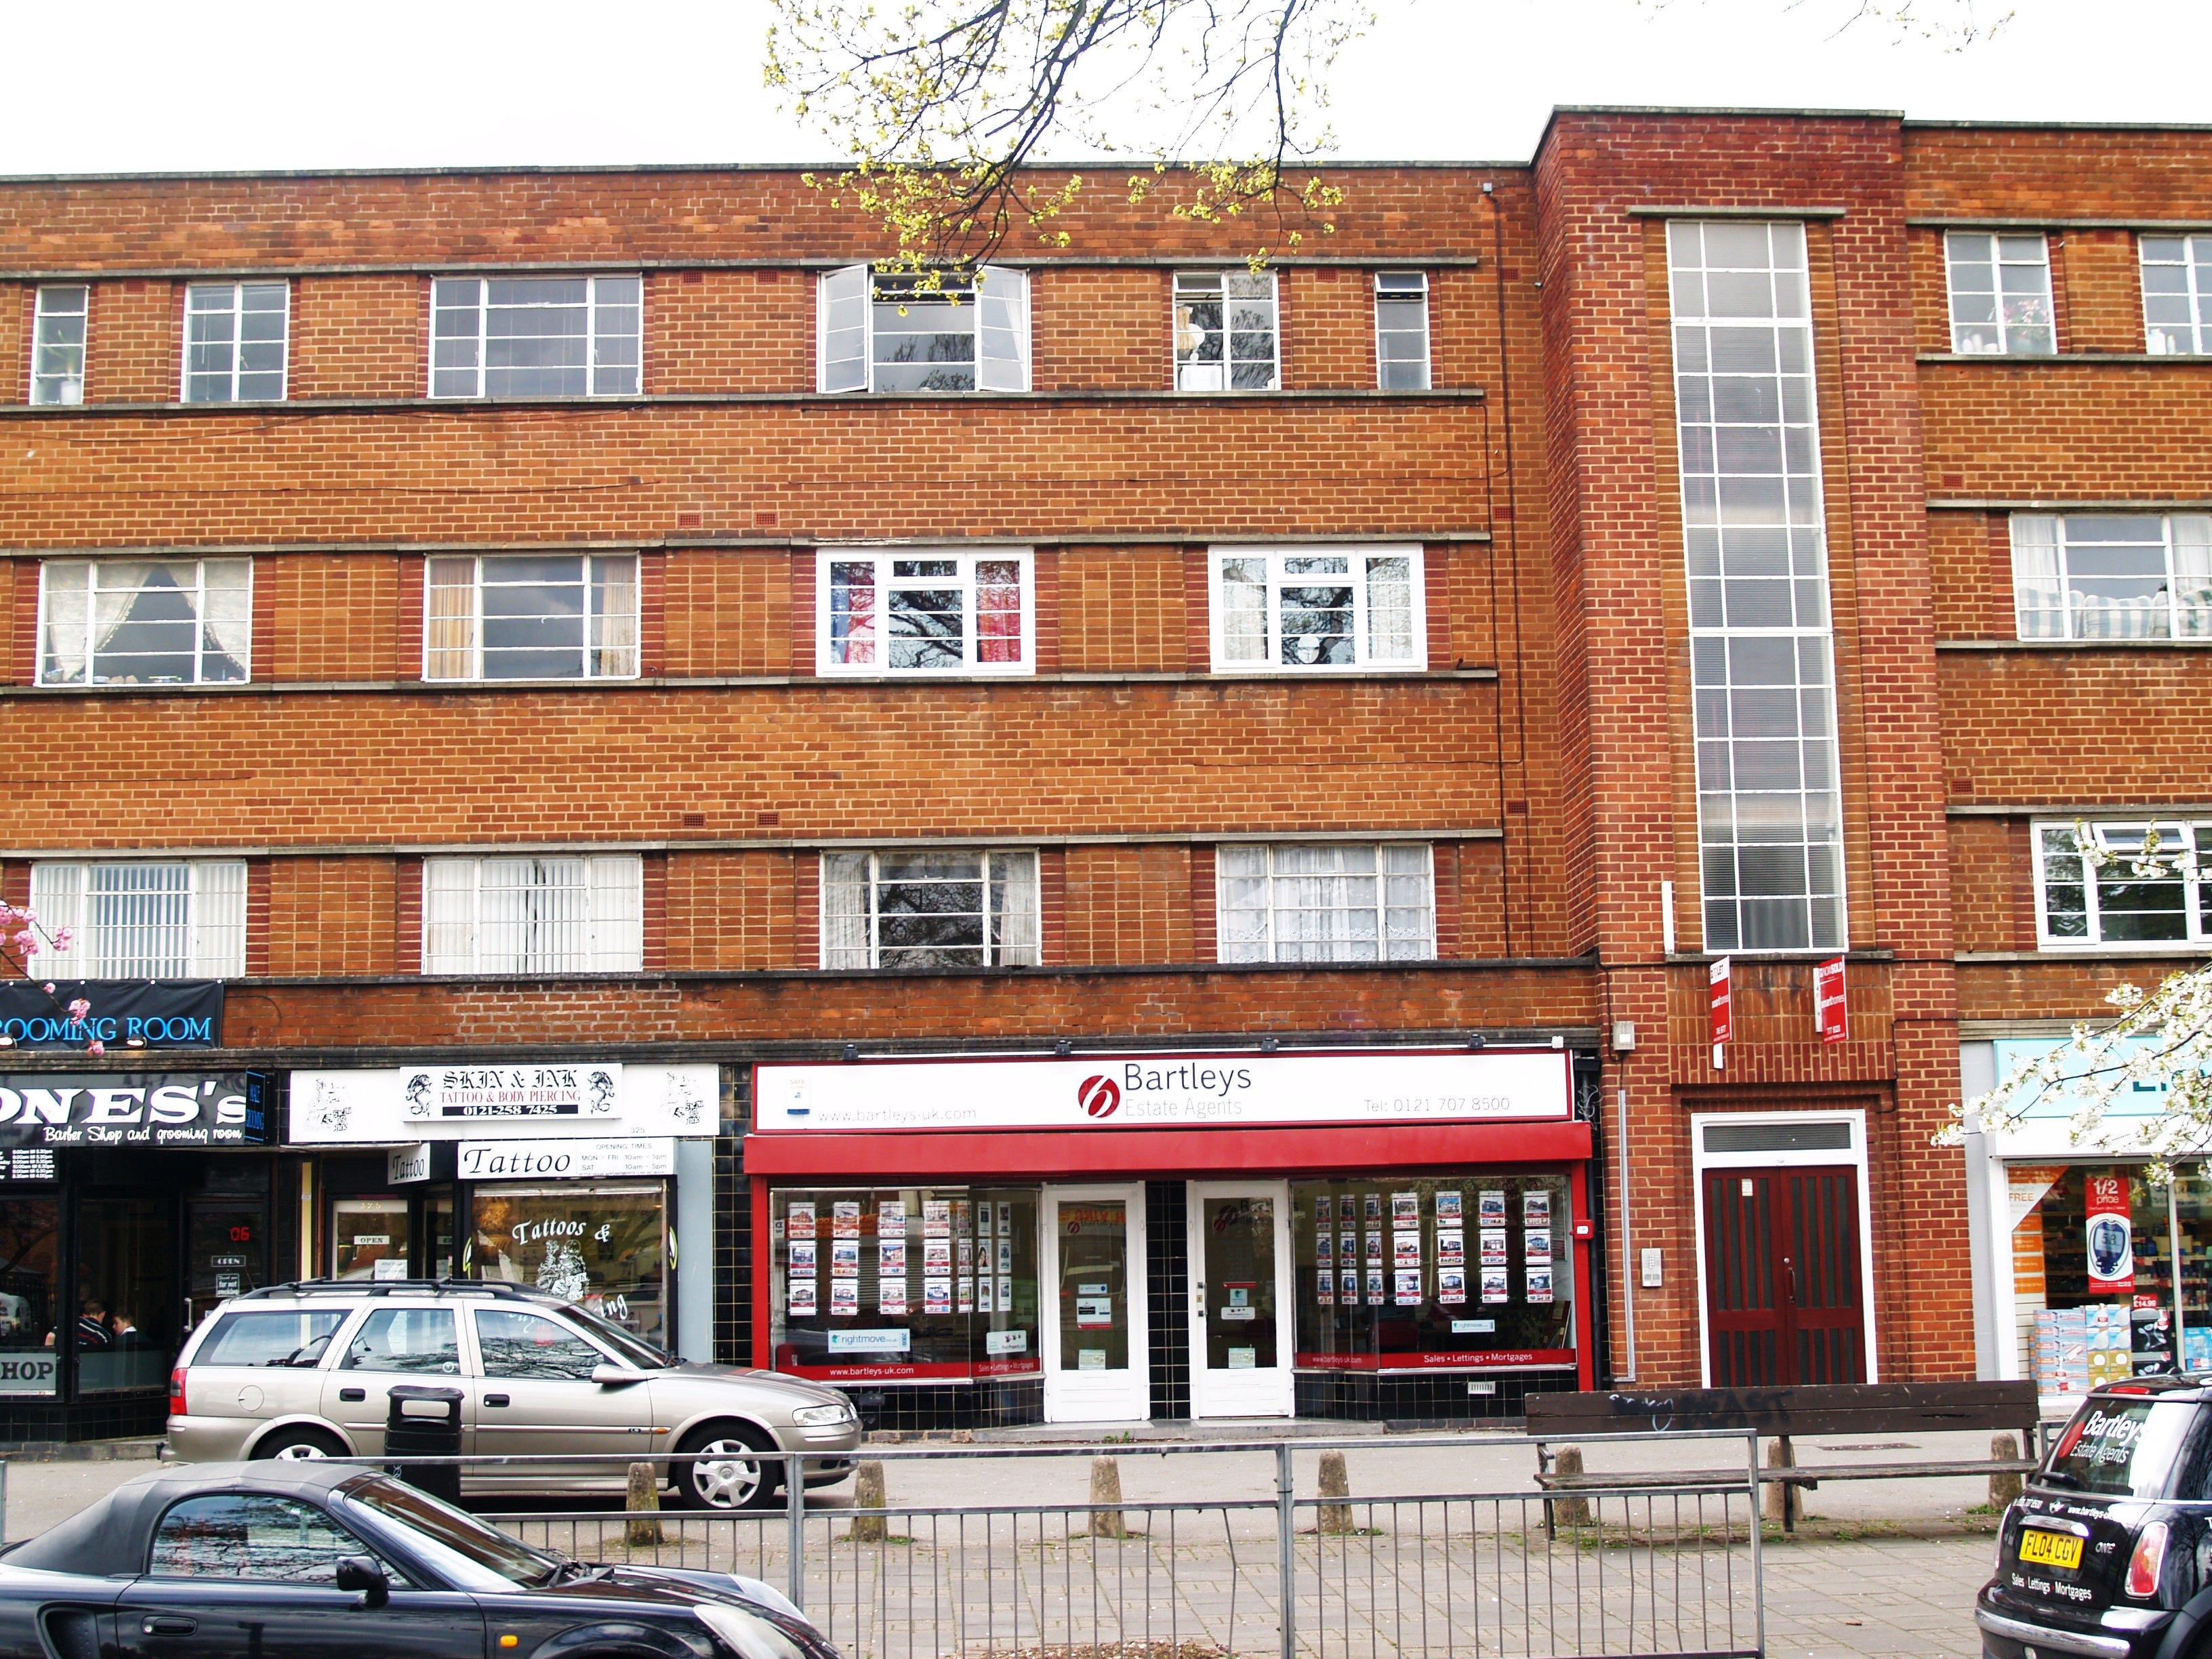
(1100, 1094)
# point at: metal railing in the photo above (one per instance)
(1636, 1569)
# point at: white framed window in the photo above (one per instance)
(2000, 286)
(530, 616)
(923, 611)
(2177, 295)
(2133, 884)
(1769, 819)
(1306, 902)
(536, 337)
(880, 332)
(1401, 331)
(146, 918)
(2113, 575)
(58, 337)
(535, 914)
(236, 335)
(140, 622)
(1310, 610)
(930, 908)
(1226, 332)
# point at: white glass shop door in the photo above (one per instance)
(1241, 1281)
(1097, 1340)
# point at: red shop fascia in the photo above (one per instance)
(889, 1197)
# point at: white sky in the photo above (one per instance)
(132, 86)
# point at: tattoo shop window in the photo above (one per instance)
(129, 622)
(879, 331)
(1314, 609)
(2113, 576)
(1999, 294)
(929, 908)
(2123, 884)
(1303, 902)
(528, 617)
(1401, 331)
(533, 915)
(57, 344)
(234, 342)
(147, 918)
(535, 337)
(924, 613)
(2176, 295)
(1225, 333)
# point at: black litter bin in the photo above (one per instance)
(425, 1422)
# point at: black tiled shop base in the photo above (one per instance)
(1166, 1295)
(113, 1417)
(952, 1406)
(1417, 1400)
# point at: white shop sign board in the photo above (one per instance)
(1166, 1091)
(596, 1100)
(565, 1160)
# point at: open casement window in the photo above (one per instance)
(57, 329)
(925, 612)
(1310, 610)
(1306, 902)
(535, 337)
(129, 622)
(236, 336)
(1999, 294)
(147, 918)
(2176, 295)
(1401, 331)
(884, 332)
(530, 617)
(929, 908)
(533, 914)
(1226, 337)
(2113, 576)
(2128, 884)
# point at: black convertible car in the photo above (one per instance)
(283, 1560)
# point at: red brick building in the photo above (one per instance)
(1148, 842)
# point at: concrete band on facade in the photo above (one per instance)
(321, 1090)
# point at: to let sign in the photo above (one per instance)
(1720, 1004)
(1829, 1014)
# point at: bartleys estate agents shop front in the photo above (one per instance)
(130, 1203)
(1115, 1238)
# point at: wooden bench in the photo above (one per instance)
(1782, 1414)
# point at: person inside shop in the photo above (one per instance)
(125, 1331)
(92, 1328)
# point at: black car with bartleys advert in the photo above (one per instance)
(2108, 1552)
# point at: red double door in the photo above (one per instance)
(1783, 1300)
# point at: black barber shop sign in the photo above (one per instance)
(137, 1108)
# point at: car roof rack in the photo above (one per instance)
(499, 1288)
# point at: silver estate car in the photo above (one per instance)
(304, 1370)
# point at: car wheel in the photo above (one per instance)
(726, 1471)
(297, 1445)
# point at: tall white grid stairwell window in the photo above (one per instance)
(145, 918)
(533, 914)
(1761, 651)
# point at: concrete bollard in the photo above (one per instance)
(1106, 1488)
(868, 1494)
(1782, 1503)
(1334, 1483)
(1574, 1510)
(643, 1498)
(2003, 1488)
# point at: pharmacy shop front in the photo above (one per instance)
(1110, 1238)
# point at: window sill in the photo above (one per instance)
(2015, 358)
(2089, 953)
(2074, 645)
(730, 682)
(689, 399)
